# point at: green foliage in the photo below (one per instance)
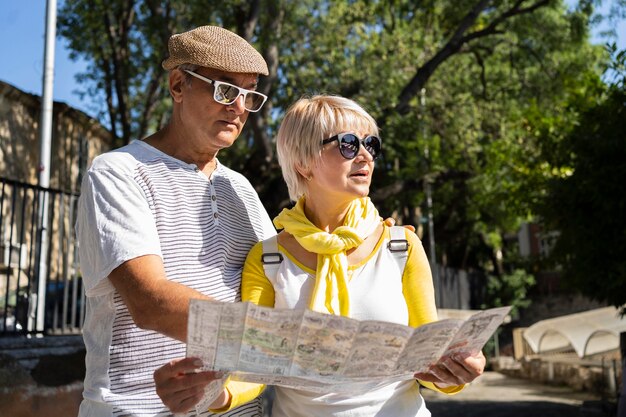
(509, 290)
(504, 93)
(124, 43)
(587, 206)
(109, 35)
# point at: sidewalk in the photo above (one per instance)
(495, 394)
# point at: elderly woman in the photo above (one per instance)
(336, 259)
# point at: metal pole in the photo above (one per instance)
(429, 205)
(621, 402)
(44, 162)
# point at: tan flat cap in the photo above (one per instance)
(214, 47)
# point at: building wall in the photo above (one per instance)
(40, 376)
(76, 140)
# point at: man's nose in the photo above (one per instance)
(239, 104)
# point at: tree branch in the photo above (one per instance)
(161, 14)
(247, 20)
(456, 41)
(481, 64)
(271, 54)
(118, 43)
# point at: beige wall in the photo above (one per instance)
(76, 140)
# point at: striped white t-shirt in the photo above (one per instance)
(138, 201)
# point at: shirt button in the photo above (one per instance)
(215, 215)
(213, 198)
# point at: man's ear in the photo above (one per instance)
(176, 83)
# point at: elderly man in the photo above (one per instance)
(161, 221)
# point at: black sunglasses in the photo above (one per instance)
(349, 145)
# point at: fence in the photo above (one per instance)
(24, 258)
(458, 289)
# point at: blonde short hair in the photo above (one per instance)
(309, 121)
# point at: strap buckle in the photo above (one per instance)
(271, 258)
(398, 245)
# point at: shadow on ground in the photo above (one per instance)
(494, 394)
(515, 409)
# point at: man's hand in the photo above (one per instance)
(390, 221)
(181, 386)
(454, 370)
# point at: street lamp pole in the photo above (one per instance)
(44, 169)
(429, 203)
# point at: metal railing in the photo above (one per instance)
(458, 289)
(23, 255)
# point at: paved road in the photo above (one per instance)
(495, 395)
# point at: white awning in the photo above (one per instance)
(589, 332)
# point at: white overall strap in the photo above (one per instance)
(271, 258)
(399, 246)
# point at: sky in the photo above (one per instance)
(22, 41)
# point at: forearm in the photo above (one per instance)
(166, 310)
(154, 302)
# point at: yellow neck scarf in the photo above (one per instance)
(330, 292)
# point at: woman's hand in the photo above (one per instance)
(455, 370)
(180, 385)
(390, 222)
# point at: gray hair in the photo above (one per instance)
(188, 67)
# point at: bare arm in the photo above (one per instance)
(154, 302)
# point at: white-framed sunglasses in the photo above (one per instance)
(227, 94)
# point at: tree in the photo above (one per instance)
(587, 204)
(124, 42)
(492, 71)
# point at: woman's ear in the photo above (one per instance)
(304, 172)
(176, 83)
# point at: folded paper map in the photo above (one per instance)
(321, 352)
